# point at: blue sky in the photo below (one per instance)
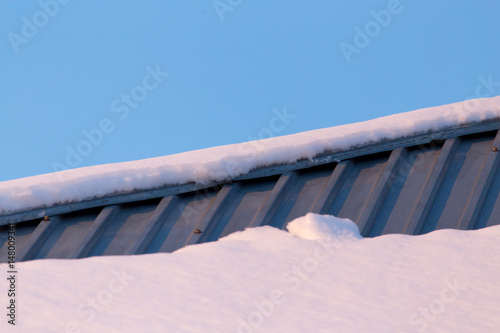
(93, 82)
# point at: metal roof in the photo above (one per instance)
(413, 185)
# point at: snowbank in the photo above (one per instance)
(229, 161)
(268, 280)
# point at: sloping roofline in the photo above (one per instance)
(320, 159)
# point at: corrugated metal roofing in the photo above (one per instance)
(413, 186)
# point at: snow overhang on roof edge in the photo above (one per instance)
(271, 170)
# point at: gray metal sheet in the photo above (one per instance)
(451, 183)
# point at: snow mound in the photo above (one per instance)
(328, 227)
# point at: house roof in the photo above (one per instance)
(435, 178)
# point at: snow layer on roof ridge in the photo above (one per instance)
(223, 162)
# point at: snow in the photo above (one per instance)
(224, 162)
(319, 277)
(313, 226)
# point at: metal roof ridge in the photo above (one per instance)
(264, 171)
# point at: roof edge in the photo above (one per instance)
(267, 171)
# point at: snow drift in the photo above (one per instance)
(320, 277)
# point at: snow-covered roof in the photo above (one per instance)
(411, 173)
(228, 162)
(322, 276)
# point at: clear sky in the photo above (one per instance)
(92, 82)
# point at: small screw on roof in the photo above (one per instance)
(46, 218)
(197, 231)
(495, 149)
